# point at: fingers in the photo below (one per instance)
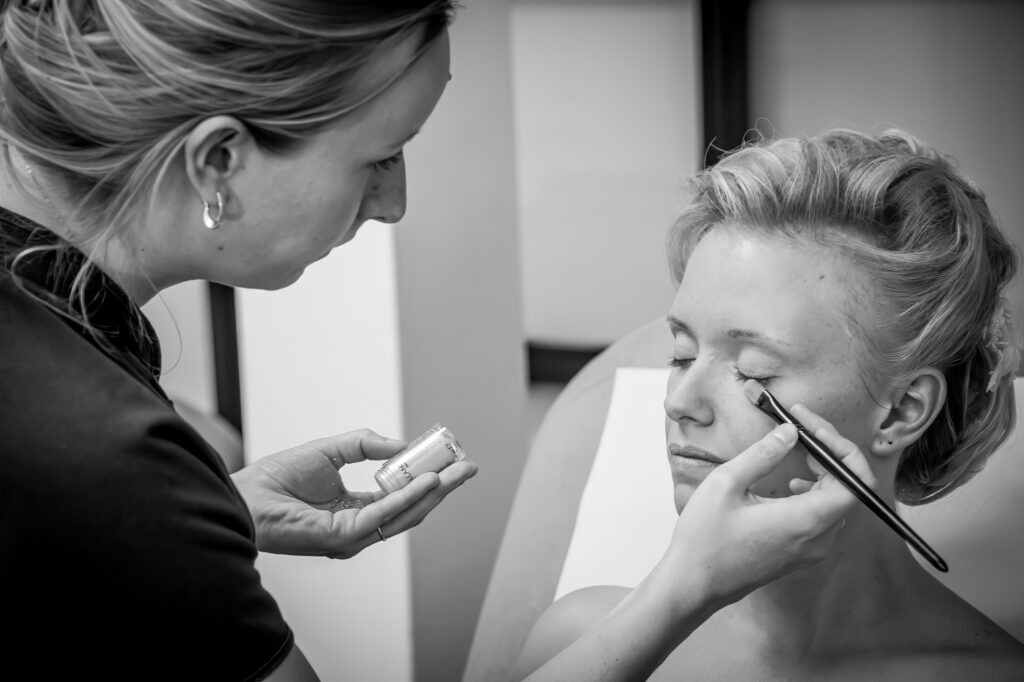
(450, 478)
(356, 446)
(845, 450)
(388, 507)
(403, 509)
(799, 485)
(760, 459)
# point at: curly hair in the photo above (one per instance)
(935, 267)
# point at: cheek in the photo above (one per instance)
(843, 408)
(850, 413)
(775, 484)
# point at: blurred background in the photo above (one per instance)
(540, 192)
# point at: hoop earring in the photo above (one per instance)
(209, 221)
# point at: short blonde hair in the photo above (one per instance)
(935, 263)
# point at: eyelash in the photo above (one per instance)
(388, 163)
(743, 377)
(673, 361)
(683, 363)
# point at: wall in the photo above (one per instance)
(607, 129)
(945, 70)
(462, 333)
(319, 358)
(181, 318)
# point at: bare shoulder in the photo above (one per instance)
(963, 643)
(989, 653)
(961, 628)
(564, 622)
(992, 662)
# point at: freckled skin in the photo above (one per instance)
(738, 280)
(290, 210)
(868, 611)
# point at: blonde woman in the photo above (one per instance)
(150, 142)
(862, 278)
(146, 143)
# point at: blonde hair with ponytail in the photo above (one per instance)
(99, 95)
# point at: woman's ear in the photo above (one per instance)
(215, 150)
(913, 409)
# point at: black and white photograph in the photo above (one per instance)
(512, 340)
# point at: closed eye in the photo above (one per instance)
(746, 377)
(387, 164)
(679, 362)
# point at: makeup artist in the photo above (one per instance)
(150, 142)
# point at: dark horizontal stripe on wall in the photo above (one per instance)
(557, 363)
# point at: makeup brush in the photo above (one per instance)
(759, 395)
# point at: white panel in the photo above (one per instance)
(319, 358)
(607, 129)
(181, 317)
(631, 456)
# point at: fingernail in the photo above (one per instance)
(785, 433)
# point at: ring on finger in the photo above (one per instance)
(381, 534)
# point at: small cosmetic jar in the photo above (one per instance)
(435, 449)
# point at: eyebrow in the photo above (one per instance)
(678, 325)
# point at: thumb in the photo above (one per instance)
(356, 446)
(761, 458)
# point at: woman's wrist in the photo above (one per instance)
(681, 598)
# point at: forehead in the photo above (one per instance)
(403, 107)
(738, 279)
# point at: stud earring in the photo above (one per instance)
(211, 222)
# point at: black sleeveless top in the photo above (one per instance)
(125, 549)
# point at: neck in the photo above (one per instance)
(839, 603)
(35, 197)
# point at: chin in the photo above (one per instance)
(290, 278)
(681, 494)
(277, 283)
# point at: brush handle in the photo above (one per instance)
(861, 491)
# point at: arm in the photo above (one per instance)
(606, 633)
(727, 543)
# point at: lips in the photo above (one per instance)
(693, 453)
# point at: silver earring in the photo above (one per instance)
(211, 222)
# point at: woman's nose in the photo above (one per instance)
(685, 398)
(385, 197)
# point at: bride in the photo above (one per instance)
(860, 279)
